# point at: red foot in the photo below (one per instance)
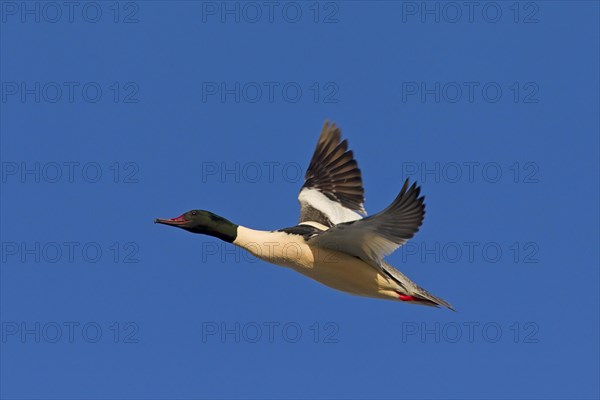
(405, 297)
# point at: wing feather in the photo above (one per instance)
(374, 237)
(332, 192)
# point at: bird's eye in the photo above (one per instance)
(193, 212)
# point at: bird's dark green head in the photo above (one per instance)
(204, 222)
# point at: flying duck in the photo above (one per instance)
(334, 243)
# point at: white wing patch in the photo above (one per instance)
(332, 191)
(334, 211)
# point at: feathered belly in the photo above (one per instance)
(348, 274)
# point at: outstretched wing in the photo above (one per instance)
(374, 237)
(332, 192)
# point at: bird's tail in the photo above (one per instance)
(423, 297)
(411, 292)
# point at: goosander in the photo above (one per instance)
(335, 242)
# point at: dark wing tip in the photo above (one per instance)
(407, 211)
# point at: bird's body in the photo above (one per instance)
(332, 268)
(335, 243)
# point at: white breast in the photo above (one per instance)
(275, 247)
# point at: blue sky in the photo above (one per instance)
(114, 114)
